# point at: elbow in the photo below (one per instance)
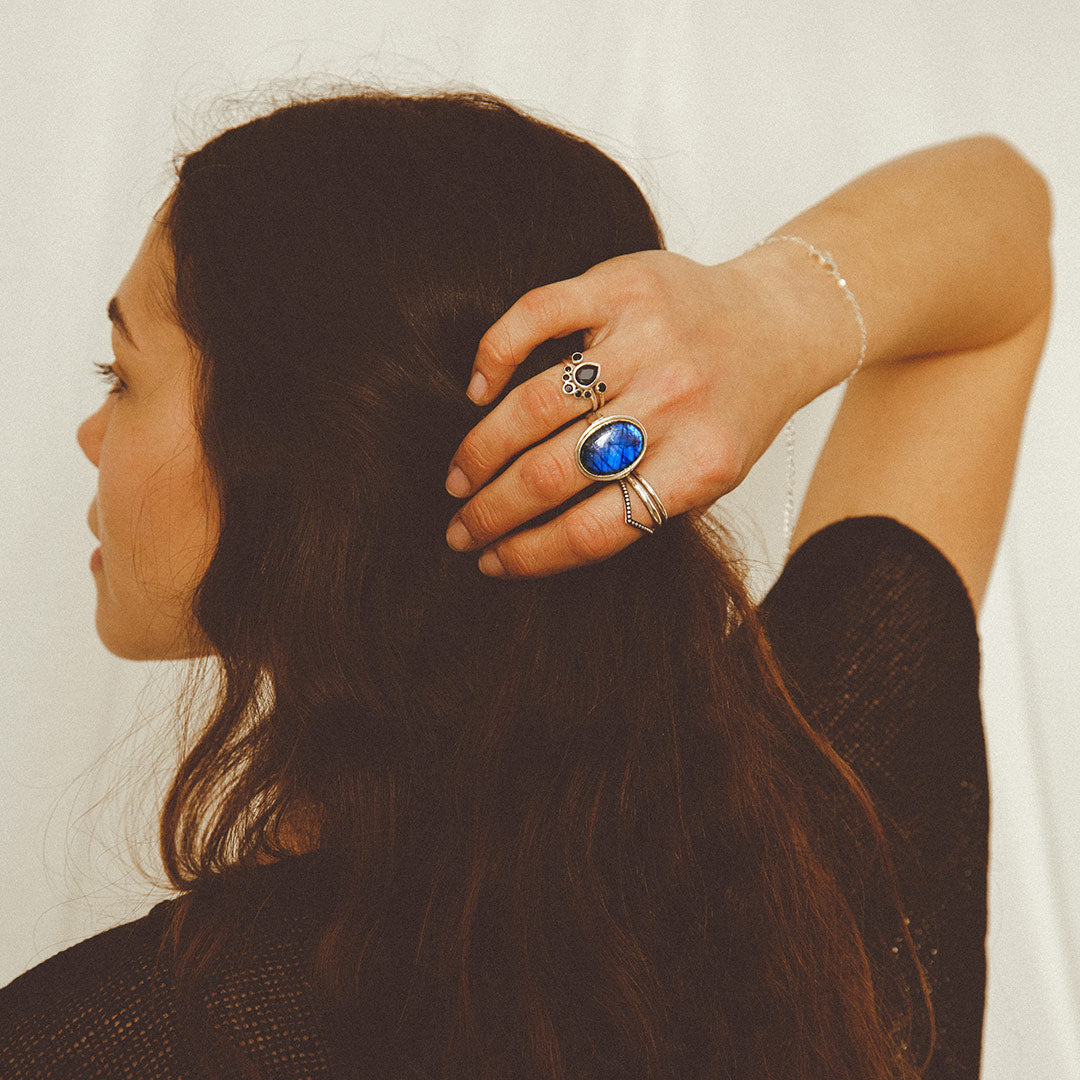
(1033, 212)
(1032, 188)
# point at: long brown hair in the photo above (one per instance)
(580, 827)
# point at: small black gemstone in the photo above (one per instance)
(588, 393)
(577, 393)
(586, 374)
(576, 357)
(601, 387)
(567, 388)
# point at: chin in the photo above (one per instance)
(127, 646)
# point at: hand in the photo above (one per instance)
(705, 357)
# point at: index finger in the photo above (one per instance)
(548, 311)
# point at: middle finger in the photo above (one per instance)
(550, 473)
(545, 476)
(526, 415)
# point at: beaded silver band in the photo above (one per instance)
(629, 510)
(827, 261)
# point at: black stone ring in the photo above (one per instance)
(580, 378)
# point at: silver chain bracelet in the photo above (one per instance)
(827, 261)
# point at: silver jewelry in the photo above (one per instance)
(789, 501)
(610, 447)
(629, 515)
(827, 261)
(580, 378)
(647, 494)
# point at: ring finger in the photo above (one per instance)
(546, 476)
(527, 414)
(592, 530)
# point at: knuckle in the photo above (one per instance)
(495, 352)
(516, 559)
(585, 534)
(536, 403)
(473, 457)
(714, 463)
(480, 520)
(505, 344)
(676, 385)
(647, 280)
(544, 475)
(628, 277)
(541, 304)
(648, 286)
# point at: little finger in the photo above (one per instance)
(591, 531)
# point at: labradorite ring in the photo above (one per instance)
(581, 378)
(610, 447)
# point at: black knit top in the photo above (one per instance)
(876, 635)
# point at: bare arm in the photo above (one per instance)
(945, 248)
(947, 252)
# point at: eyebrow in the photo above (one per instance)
(116, 317)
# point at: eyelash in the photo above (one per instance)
(116, 384)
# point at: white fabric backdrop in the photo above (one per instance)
(733, 116)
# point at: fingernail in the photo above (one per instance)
(457, 536)
(457, 483)
(477, 387)
(490, 565)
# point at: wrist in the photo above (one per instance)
(813, 314)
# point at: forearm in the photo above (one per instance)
(945, 249)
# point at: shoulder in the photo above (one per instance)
(875, 634)
(82, 1001)
(110, 1003)
(87, 965)
(869, 586)
(847, 558)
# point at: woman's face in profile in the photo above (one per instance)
(154, 512)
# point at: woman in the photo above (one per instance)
(603, 818)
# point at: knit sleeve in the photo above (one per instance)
(876, 636)
(109, 1006)
(100, 1008)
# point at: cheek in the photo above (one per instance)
(152, 511)
(122, 477)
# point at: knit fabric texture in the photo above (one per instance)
(876, 636)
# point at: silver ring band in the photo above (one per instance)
(611, 447)
(647, 494)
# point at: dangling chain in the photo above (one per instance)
(826, 260)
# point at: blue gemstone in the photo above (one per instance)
(611, 448)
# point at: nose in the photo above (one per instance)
(90, 433)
